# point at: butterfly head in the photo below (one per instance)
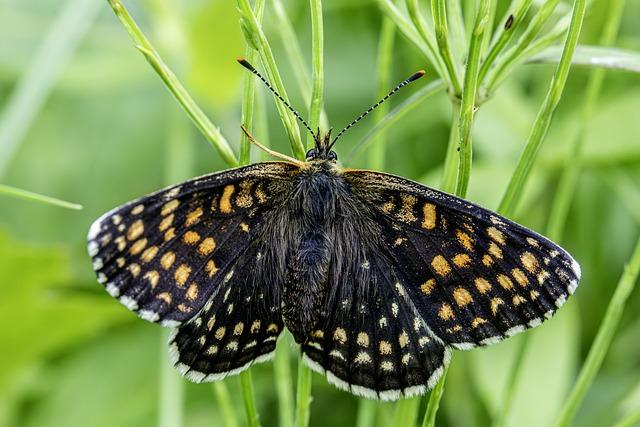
(322, 152)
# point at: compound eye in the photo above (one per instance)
(333, 155)
(311, 154)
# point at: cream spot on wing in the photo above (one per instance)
(362, 358)
(182, 274)
(385, 347)
(138, 246)
(166, 297)
(495, 303)
(149, 254)
(166, 222)
(190, 237)
(495, 250)
(445, 312)
(255, 326)
(465, 240)
(429, 216)
(520, 277)
(440, 265)
(137, 210)
(427, 287)
(462, 297)
(505, 282)
(169, 207)
(363, 339)
(496, 235)
(207, 246)
(482, 285)
(167, 260)
(135, 230)
(193, 217)
(153, 277)
(211, 268)
(477, 322)
(225, 200)
(529, 261)
(403, 339)
(406, 212)
(134, 269)
(340, 335)
(237, 330)
(462, 260)
(192, 292)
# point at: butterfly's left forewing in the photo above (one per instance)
(164, 255)
(474, 276)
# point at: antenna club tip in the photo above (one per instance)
(417, 75)
(244, 63)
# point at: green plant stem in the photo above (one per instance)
(202, 122)
(366, 413)
(603, 339)
(511, 57)
(433, 404)
(410, 32)
(573, 163)
(317, 66)
(291, 47)
(469, 92)
(450, 168)
(506, 34)
(256, 37)
(376, 157)
(224, 403)
(543, 120)
(284, 385)
(6, 190)
(303, 394)
(171, 393)
(439, 11)
(406, 412)
(246, 383)
(396, 114)
(631, 420)
(430, 41)
(178, 166)
(52, 55)
(516, 370)
(248, 103)
(456, 20)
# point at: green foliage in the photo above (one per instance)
(103, 130)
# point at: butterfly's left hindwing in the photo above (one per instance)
(474, 276)
(164, 255)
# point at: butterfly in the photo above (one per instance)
(376, 277)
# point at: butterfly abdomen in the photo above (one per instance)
(314, 206)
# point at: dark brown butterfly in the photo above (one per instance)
(377, 277)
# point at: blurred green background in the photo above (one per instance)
(98, 128)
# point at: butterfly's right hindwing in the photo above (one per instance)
(164, 255)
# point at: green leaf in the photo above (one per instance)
(594, 56)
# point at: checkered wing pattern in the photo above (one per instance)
(473, 276)
(374, 342)
(164, 255)
(237, 327)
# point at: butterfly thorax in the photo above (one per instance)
(312, 214)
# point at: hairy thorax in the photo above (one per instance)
(309, 229)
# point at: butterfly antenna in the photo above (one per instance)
(413, 78)
(251, 68)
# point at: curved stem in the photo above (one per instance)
(469, 93)
(543, 120)
(603, 339)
